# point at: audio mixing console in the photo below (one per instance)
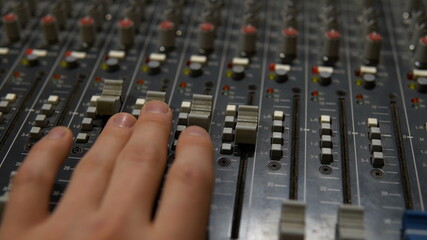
(316, 109)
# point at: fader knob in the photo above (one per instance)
(50, 29)
(11, 27)
(422, 84)
(372, 48)
(420, 56)
(248, 39)
(289, 43)
(331, 46)
(127, 32)
(369, 81)
(58, 11)
(23, 13)
(87, 30)
(206, 37)
(167, 35)
(238, 72)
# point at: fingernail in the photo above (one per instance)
(123, 120)
(156, 107)
(57, 133)
(196, 131)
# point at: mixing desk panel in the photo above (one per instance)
(316, 109)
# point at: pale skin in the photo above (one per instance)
(114, 188)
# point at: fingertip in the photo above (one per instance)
(195, 131)
(122, 120)
(58, 133)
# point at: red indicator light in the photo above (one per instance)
(315, 70)
(272, 67)
(57, 76)
(359, 97)
(410, 75)
(29, 51)
(270, 90)
(16, 74)
(357, 73)
(183, 85)
(140, 82)
(415, 100)
(98, 79)
(226, 88)
(229, 65)
(315, 94)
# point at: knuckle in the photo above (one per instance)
(31, 175)
(150, 156)
(192, 176)
(105, 228)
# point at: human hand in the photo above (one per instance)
(114, 188)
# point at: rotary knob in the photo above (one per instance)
(70, 62)
(173, 15)
(238, 72)
(32, 60)
(87, 30)
(153, 67)
(206, 37)
(420, 57)
(369, 81)
(331, 47)
(127, 32)
(112, 65)
(167, 35)
(289, 44)
(422, 85)
(135, 14)
(281, 75)
(212, 16)
(325, 78)
(23, 13)
(59, 12)
(248, 39)
(196, 69)
(95, 12)
(11, 27)
(372, 48)
(50, 29)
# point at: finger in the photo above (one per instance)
(188, 188)
(139, 169)
(32, 186)
(91, 177)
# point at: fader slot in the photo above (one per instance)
(345, 160)
(293, 184)
(406, 185)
